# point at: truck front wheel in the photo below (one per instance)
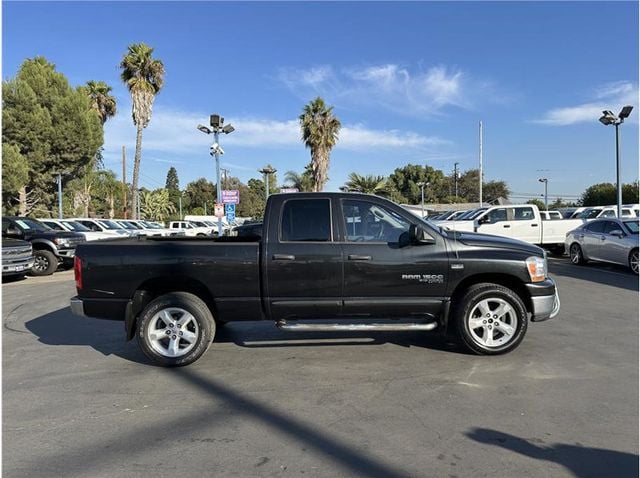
(45, 263)
(490, 319)
(175, 329)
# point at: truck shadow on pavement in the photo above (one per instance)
(580, 460)
(604, 274)
(61, 327)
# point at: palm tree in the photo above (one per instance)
(302, 182)
(144, 77)
(101, 101)
(369, 184)
(156, 205)
(320, 130)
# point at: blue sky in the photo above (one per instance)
(409, 81)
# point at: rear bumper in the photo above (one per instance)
(109, 309)
(545, 301)
(77, 307)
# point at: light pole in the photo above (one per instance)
(59, 181)
(266, 171)
(455, 177)
(216, 122)
(546, 182)
(608, 118)
(422, 184)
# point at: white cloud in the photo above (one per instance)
(175, 133)
(392, 87)
(611, 96)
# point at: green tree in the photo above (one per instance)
(403, 184)
(52, 125)
(369, 184)
(198, 193)
(303, 182)
(605, 194)
(144, 77)
(15, 174)
(109, 190)
(172, 184)
(102, 102)
(492, 190)
(156, 206)
(254, 206)
(320, 130)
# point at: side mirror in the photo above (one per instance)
(14, 231)
(417, 235)
(483, 219)
(617, 233)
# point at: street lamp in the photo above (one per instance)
(217, 122)
(608, 118)
(546, 182)
(266, 171)
(422, 184)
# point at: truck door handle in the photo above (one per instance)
(534, 225)
(506, 225)
(284, 257)
(356, 257)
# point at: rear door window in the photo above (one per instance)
(595, 227)
(523, 214)
(306, 220)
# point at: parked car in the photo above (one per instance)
(50, 248)
(73, 226)
(248, 230)
(518, 221)
(17, 257)
(103, 225)
(605, 240)
(597, 212)
(358, 261)
(551, 215)
(192, 230)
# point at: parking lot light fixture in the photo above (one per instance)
(608, 118)
(422, 184)
(216, 121)
(266, 171)
(546, 182)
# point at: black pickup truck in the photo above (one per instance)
(324, 261)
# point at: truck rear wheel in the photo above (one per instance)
(45, 263)
(490, 319)
(175, 329)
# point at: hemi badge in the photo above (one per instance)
(457, 266)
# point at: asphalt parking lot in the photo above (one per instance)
(80, 401)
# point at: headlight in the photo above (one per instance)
(537, 267)
(62, 242)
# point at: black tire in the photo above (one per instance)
(204, 332)
(465, 312)
(575, 254)
(557, 251)
(45, 263)
(633, 261)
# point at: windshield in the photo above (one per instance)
(127, 225)
(590, 214)
(198, 223)
(151, 225)
(110, 225)
(32, 225)
(632, 226)
(76, 226)
(472, 214)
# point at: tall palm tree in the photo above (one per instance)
(302, 182)
(144, 77)
(366, 184)
(320, 129)
(101, 100)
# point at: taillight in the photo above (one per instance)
(77, 270)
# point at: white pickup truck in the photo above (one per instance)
(521, 221)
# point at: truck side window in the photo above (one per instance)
(523, 214)
(369, 222)
(496, 215)
(306, 220)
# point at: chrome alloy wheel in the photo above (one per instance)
(633, 261)
(40, 263)
(492, 322)
(173, 332)
(575, 254)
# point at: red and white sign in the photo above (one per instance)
(218, 210)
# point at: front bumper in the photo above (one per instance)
(545, 301)
(66, 253)
(17, 268)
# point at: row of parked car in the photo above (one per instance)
(41, 246)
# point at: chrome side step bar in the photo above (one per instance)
(354, 327)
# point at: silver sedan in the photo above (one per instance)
(605, 240)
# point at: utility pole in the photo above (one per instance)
(480, 179)
(225, 176)
(124, 182)
(180, 204)
(59, 196)
(455, 177)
